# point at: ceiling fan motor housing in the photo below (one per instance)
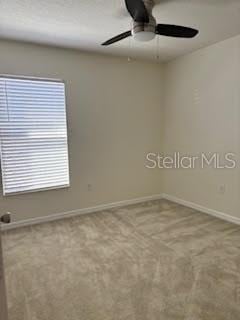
(144, 31)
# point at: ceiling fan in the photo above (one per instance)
(145, 26)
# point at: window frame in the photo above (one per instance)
(65, 186)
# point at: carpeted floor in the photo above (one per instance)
(152, 261)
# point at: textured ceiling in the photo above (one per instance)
(84, 24)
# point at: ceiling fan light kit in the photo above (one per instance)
(144, 31)
(145, 27)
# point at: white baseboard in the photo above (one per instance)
(212, 212)
(72, 213)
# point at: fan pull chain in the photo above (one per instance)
(130, 49)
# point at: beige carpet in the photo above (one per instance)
(153, 261)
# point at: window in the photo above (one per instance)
(33, 135)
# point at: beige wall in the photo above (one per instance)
(114, 119)
(202, 114)
(118, 111)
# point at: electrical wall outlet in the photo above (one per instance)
(222, 189)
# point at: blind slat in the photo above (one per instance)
(39, 187)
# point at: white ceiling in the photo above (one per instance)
(85, 24)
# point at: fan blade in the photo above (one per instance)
(170, 30)
(117, 38)
(137, 10)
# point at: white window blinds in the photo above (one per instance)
(33, 135)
